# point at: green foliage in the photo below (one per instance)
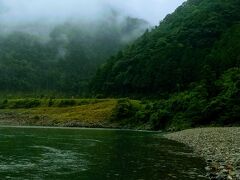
(3, 104)
(33, 103)
(26, 103)
(50, 102)
(123, 110)
(5, 101)
(67, 102)
(198, 42)
(224, 108)
(159, 120)
(195, 107)
(142, 116)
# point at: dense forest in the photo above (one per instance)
(190, 61)
(62, 60)
(201, 36)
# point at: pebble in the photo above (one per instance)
(219, 146)
(207, 168)
(224, 171)
(221, 167)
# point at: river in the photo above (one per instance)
(58, 153)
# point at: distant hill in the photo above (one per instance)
(40, 58)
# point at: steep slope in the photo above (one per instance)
(198, 42)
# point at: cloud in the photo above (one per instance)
(30, 11)
(151, 10)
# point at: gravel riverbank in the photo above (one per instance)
(219, 146)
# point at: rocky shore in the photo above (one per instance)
(219, 146)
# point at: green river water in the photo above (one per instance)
(55, 153)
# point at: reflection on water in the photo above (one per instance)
(40, 153)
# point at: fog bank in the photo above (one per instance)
(57, 11)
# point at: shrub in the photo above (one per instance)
(142, 116)
(123, 110)
(180, 121)
(50, 102)
(67, 102)
(160, 119)
(36, 117)
(5, 101)
(27, 103)
(4, 104)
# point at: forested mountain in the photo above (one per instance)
(189, 66)
(64, 59)
(198, 42)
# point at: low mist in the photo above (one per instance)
(21, 12)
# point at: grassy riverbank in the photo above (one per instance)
(67, 112)
(105, 113)
(219, 146)
(58, 112)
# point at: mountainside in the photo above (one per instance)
(63, 58)
(188, 66)
(200, 37)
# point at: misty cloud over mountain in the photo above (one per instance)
(30, 11)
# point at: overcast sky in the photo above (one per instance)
(22, 11)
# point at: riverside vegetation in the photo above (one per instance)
(57, 112)
(107, 113)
